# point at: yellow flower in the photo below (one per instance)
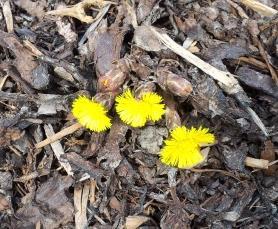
(136, 112)
(90, 114)
(154, 107)
(182, 149)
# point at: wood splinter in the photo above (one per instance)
(55, 137)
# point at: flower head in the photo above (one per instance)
(90, 114)
(153, 105)
(182, 149)
(136, 112)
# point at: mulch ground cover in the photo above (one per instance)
(188, 65)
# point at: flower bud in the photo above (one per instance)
(173, 83)
(114, 78)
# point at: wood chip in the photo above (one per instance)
(8, 15)
(133, 222)
(81, 195)
(256, 163)
(58, 149)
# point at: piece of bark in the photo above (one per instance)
(81, 195)
(258, 81)
(33, 72)
(106, 46)
(58, 149)
(110, 153)
(80, 164)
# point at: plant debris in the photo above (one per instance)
(138, 114)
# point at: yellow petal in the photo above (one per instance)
(131, 110)
(154, 108)
(90, 114)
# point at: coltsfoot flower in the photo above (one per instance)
(182, 149)
(136, 112)
(91, 114)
